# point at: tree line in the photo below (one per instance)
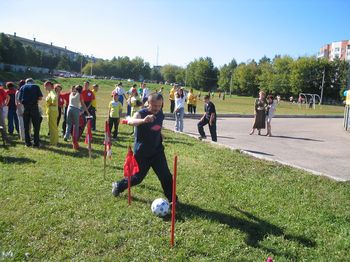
(286, 76)
(281, 75)
(13, 52)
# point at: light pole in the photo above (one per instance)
(92, 62)
(324, 70)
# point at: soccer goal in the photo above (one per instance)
(309, 100)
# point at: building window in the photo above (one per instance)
(336, 49)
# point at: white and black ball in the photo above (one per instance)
(160, 207)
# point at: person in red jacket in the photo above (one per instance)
(4, 98)
(87, 96)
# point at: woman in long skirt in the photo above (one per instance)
(260, 113)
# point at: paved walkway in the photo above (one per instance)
(320, 146)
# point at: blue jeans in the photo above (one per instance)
(72, 120)
(179, 119)
(12, 121)
(31, 114)
(159, 165)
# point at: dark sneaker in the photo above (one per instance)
(37, 145)
(115, 190)
(202, 137)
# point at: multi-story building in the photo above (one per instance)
(335, 50)
(43, 47)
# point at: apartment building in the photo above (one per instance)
(335, 50)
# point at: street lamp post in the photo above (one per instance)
(92, 63)
(324, 71)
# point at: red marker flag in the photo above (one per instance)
(173, 207)
(130, 168)
(108, 147)
(88, 137)
(75, 138)
(108, 141)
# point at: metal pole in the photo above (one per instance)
(324, 70)
(231, 84)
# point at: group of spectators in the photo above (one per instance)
(20, 104)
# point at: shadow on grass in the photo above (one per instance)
(255, 228)
(176, 140)
(62, 149)
(16, 160)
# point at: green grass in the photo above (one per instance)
(56, 205)
(235, 104)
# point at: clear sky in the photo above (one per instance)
(183, 30)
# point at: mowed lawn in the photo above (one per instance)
(234, 104)
(57, 205)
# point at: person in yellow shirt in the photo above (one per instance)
(94, 90)
(172, 98)
(190, 101)
(114, 113)
(52, 112)
(194, 104)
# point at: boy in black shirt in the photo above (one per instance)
(209, 117)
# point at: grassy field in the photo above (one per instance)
(235, 104)
(56, 205)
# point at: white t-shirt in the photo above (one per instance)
(119, 90)
(145, 92)
(179, 102)
(272, 109)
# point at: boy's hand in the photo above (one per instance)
(149, 119)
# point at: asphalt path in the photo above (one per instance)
(318, 145)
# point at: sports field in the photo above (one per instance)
(56, 205)
(234, 104)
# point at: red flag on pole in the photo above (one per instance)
(130, 168)
(108, 147)
(173, 207)
(107, 141)
(75, 138)
(88, 137)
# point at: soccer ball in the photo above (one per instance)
(160, 207)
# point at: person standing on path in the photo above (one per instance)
(271, 108)
(209, 117)
(179, 110)
(259, 113)
(172, 99)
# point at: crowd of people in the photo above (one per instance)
(20, 105)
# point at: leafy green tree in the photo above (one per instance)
(225, 75)
(201, 74)
(169, 72)
(280, 84)
(306, 75)
(32, 56)
(156, 74)
(64, 63)
(265, 75)
(245, 79)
